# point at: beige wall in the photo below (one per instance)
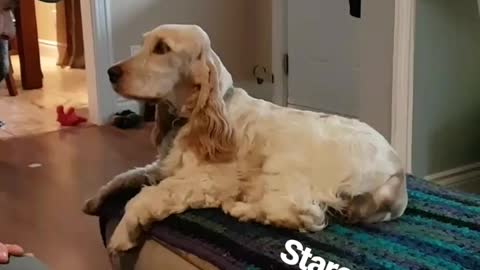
(240, 30)
(446, 129)
(46, 21)
(49, 28)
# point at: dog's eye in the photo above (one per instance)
(161, 48)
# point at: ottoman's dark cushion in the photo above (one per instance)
(440, 230)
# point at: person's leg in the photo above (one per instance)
(23, 263)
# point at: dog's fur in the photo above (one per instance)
(253, 159)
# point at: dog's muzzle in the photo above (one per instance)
(115, 73)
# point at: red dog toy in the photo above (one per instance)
(70, 118)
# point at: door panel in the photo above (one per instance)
(323, 54)
(339, 63)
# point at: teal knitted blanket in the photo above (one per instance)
(440, 230)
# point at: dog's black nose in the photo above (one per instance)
(115, 73)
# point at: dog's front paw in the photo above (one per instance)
(124, 237)
(92, 206)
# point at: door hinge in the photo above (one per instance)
(285, 64)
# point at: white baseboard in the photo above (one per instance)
(461, 175)
(50, 48)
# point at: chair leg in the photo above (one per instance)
(10, 80)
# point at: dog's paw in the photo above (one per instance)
(123, 239)
(120, 243)
(242, 211)
(92, 206)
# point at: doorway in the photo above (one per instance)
(62, 71)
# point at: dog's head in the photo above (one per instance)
(163, 67)
(177, 65)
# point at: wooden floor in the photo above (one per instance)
(40, 207)
(34, 112)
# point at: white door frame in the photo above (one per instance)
(98, 57)
(103, 102)
(402, 91)
(403, 64)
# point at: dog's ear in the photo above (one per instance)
(210, 134)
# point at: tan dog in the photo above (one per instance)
(254, 160)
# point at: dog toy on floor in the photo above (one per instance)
(70, 118)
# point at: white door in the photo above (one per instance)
(339, 63)
(323, 59)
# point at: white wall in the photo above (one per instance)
(446, 128)
(341, 64)
(375, 54)
(240, 30)
(46, 21)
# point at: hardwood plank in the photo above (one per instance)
(41, 207)
(28, 48)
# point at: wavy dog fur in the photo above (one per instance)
(210, 134)
(254, 160)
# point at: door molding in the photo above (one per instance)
(402, 90)
(98, 57)
(103, 102)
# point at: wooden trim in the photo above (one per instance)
(51, 48)
(402, 90)
(51, 43)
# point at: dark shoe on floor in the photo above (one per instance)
(126, 120)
